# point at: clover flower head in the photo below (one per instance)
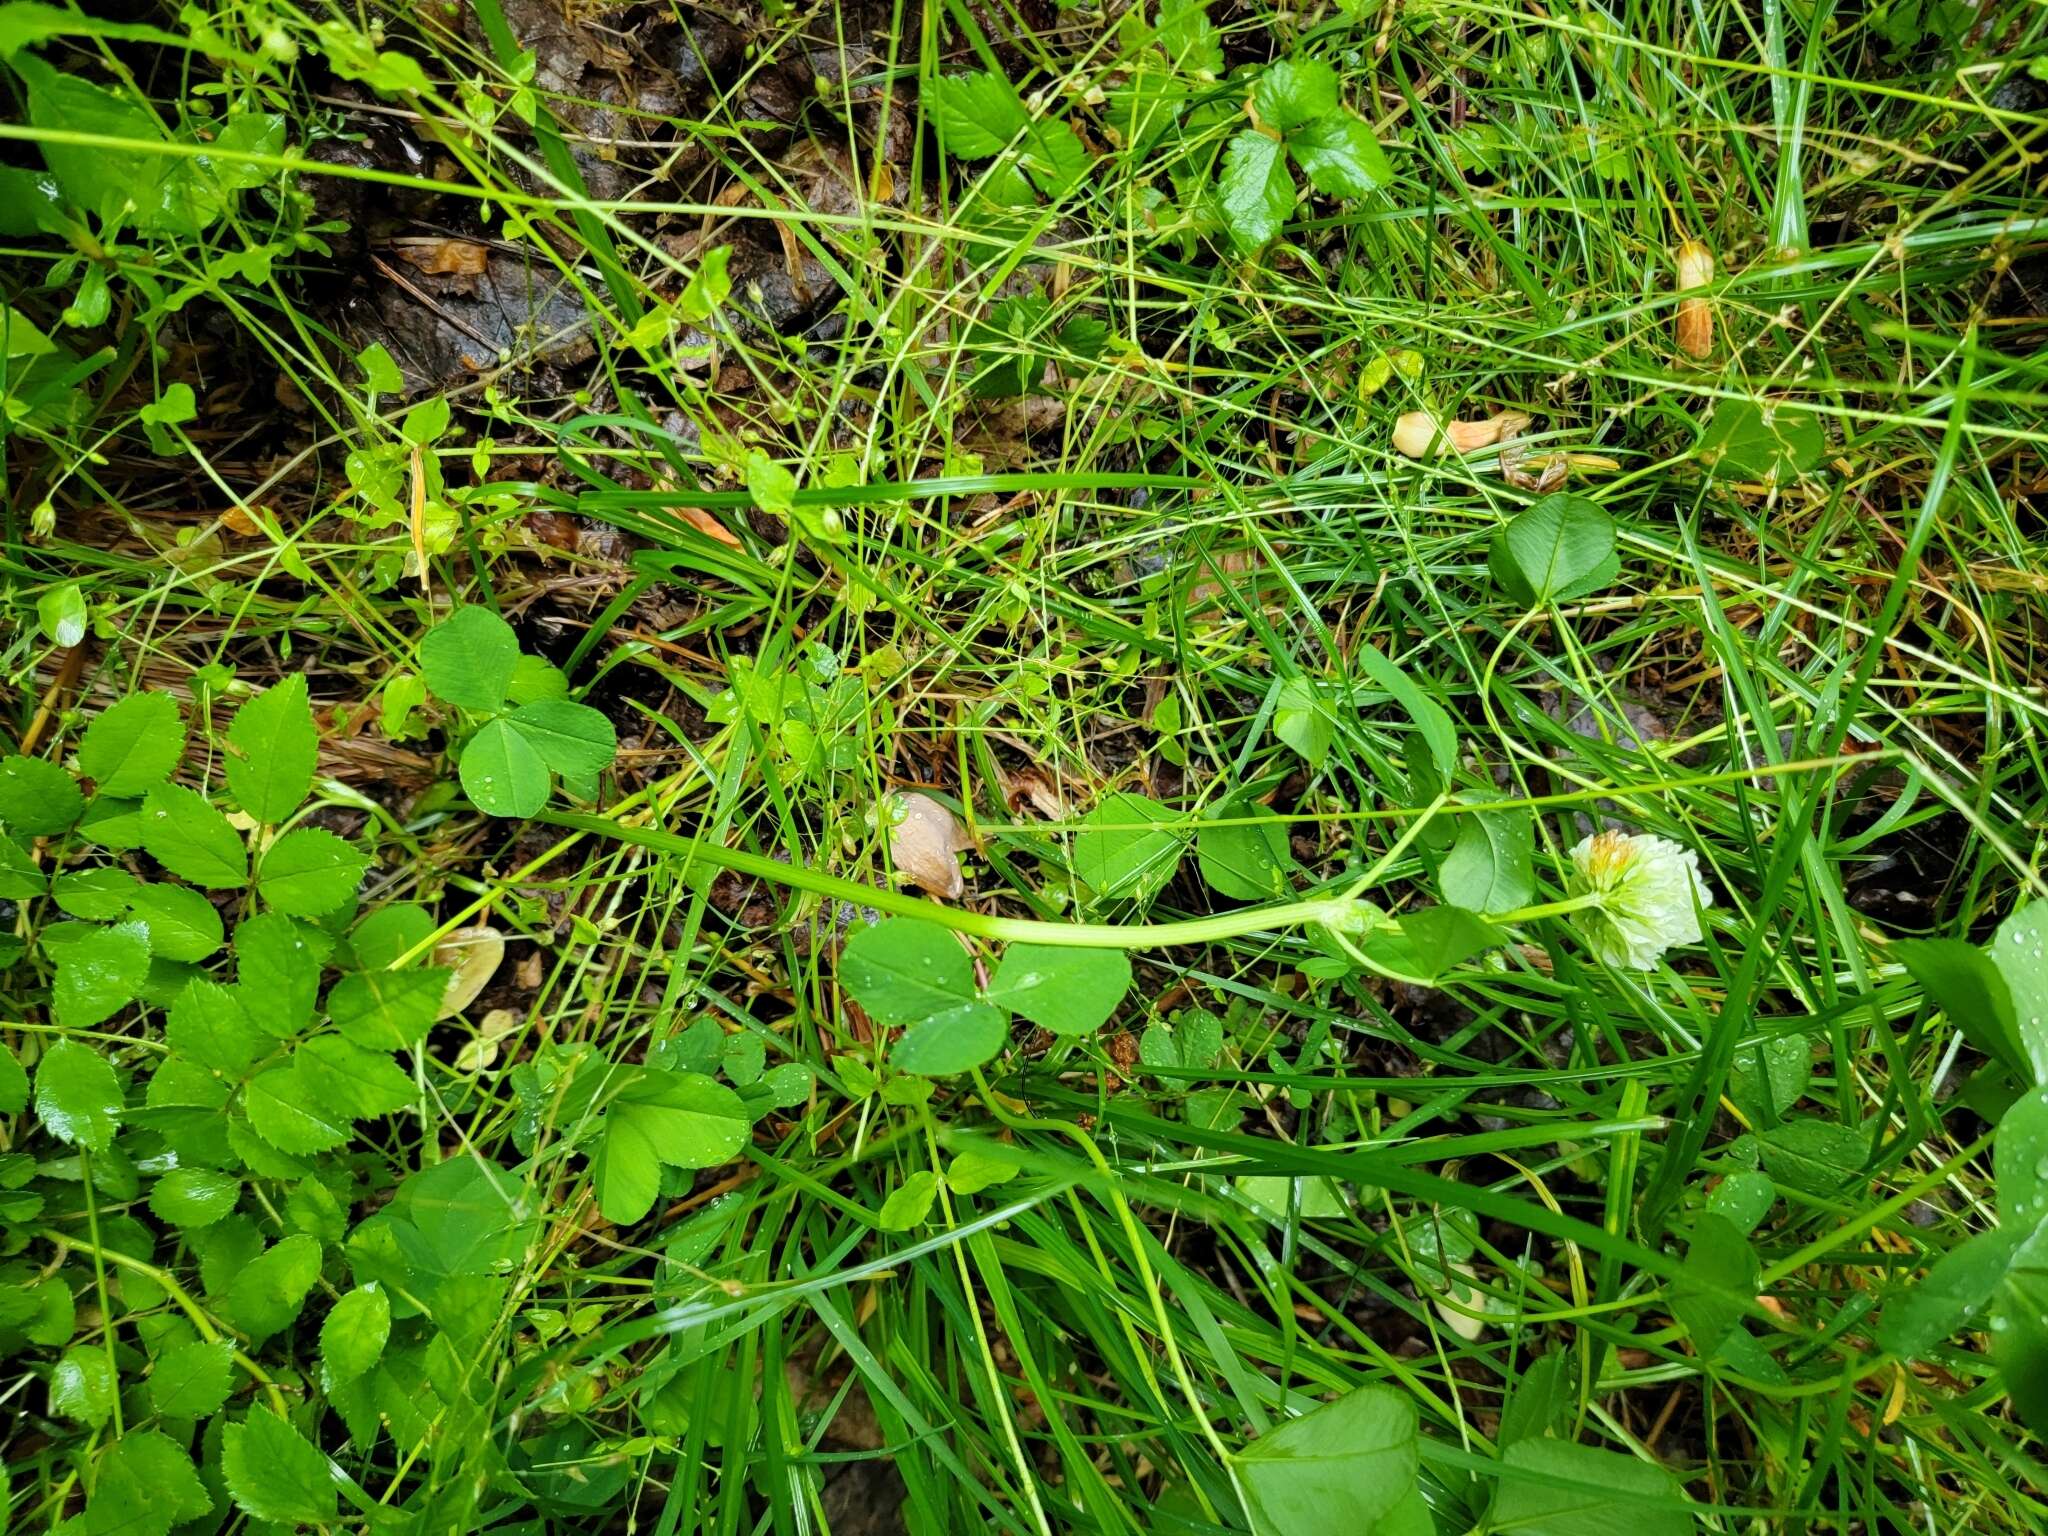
(1649, 894)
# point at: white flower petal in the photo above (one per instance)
(1650, 894)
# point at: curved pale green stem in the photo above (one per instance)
(1337, 913)
(980, 925)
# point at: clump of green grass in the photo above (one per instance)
(1002, 405)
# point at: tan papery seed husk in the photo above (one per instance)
(1695, 324)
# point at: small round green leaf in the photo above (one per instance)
(1562, 547)
(1068, 991)
(502, 773)
(468, 659)
(573, 739)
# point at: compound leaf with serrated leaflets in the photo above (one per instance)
(1340, 156)
(353, 1337)
(191, 1381)
(183, 925)
(1295, 91)
(145, 1485)
(267, 1293)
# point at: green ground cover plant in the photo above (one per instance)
(874, 767)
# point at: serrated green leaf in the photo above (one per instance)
(109, 823)
(502, 772)
(98, 895)
(288, 1115)
(268, 1292)
(194, 1197)
(191, 839)
(133, 745)
(572, 739)
(78, 1098)
(183, 925)
(1340, 157)
(99, 975)
(1068, 991)
(468, 658)
(145, 1485)
(387, 1010)
(37, 798)
(1254, 192)
(210, 1024)
(82, 1386)
(13, 1083)
(191, 1381)
(21, 878)
(274, 1473)
(274, 749)
(1054, 157)
(1292, 92)
(357, 1082)
(976, 114)
(310, 872)
(277, 963)
(354, 1335)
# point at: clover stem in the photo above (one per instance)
(981, 925)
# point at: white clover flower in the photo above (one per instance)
(1647, 889)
